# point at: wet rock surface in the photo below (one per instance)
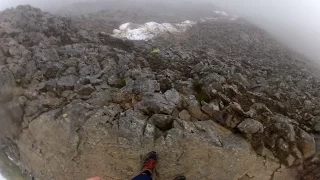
(79, 103)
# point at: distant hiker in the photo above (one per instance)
(147, 169)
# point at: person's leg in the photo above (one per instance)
(180, 178)
(148, 165)
(142, 177)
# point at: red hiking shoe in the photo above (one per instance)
(150, 161)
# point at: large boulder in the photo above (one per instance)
(161, 121)
(155, 103)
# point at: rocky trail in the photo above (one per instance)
(222, 100)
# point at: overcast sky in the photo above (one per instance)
(294, 21)
(297, 22)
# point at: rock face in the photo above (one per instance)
(77, 103)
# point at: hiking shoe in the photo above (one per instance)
(180, 178)
(150, 161)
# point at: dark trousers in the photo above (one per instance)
(143, 177)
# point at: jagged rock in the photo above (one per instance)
(195, 111)
(67, 82)
(155, 103)
(211, 108)
(231, 121)
(143, 85)
(50, 99)
(51, 84)
(7, 81)
(263, 151)
(317, 127)
(131, 100)
(194, 108)
(306, 144)
(184, 115)
(51, 69)
(161, 121)
(85, 90)
(282, 148)
(240, 79)
(173, 96)
(32, 108)
(131, 126)
(114, 81)
(284, 127)
(250, 126)
(236, 107)
(231, 91)
(215, 80)
(259, 108)
(296, 152)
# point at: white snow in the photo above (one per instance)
(235, 17)
(2, 178)
(149, 30)
(222, 13)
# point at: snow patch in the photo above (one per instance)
(2, 178)
(222, 13)
(149, 30)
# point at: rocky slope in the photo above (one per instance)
(221, 101)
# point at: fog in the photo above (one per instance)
(295, 22)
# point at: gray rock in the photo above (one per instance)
(306, 144)
(173, 96)
(250, 126)
(155, 103)
(51, 69)
(32, 108)
(115, 81)
(259, 108)
(290, 160)
(214, 78)
(14, 51)
(308, 105)
(15, 110)
(211, 108)
(236, 107)
(51, 84)
(284, 126)
(282, 147)
(70, 70)
(208, 132)
(317, 127)
(194, 108)
(2, 58)
(231, 121)
(131, 126)
(195, 111)
(184, 115)
(85, 90)
(7, 82)
(67, 82)
(240, 79)
(263, 151)
(161, 121)
(144, 85)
